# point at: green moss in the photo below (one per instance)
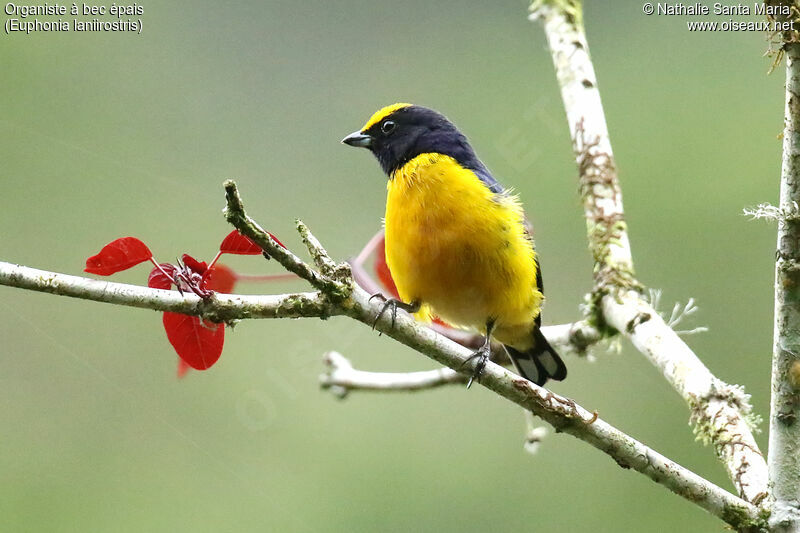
(739, 517)
(295, 305)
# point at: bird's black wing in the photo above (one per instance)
(539, 281)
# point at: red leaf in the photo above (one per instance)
(220, 279)
(236, 243)
(382, 269)
(118, 255)
(276, 240)
(197, 266)
(157, 279)
(183, 368)
(198, 343)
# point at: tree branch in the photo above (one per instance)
(784, 428)
(217, 308)
(339, 296)
(719, 411)
(341, 378)
(564, 414)
(600, 191)
(332, 286)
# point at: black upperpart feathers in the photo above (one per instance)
(412, 130)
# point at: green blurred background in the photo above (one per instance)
(105, 135)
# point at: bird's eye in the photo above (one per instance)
(388, 127)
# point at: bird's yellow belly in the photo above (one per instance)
(458, 248)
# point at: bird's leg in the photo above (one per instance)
(393, 304)
(482, 354)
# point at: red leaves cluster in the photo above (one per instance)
(198, 342)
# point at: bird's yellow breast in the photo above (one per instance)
(459, 248)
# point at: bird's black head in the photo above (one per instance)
(398, 133)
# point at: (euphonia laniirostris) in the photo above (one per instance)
(458, 244)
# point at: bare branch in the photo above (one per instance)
(235, 214)
(341, 378)
(319, 255)
(721, 419)
(720, 413)
(600, 191)
(575, 337)
(218, 308)
(784, 429)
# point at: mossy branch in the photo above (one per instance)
(784, 429)
(235, 215)
(617, 302)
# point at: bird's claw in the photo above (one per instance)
(387, 304)
(377, 295)
(482, 355)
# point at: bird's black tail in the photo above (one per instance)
(540, 363)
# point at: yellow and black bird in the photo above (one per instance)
(457, 243)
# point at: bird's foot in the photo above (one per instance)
(392, 304)
(482, 355)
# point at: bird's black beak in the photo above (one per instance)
(358, 139)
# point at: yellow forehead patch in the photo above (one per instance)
(381, 114)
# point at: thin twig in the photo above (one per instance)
(235, 214)
(341, 378)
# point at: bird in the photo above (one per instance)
(457, 243)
